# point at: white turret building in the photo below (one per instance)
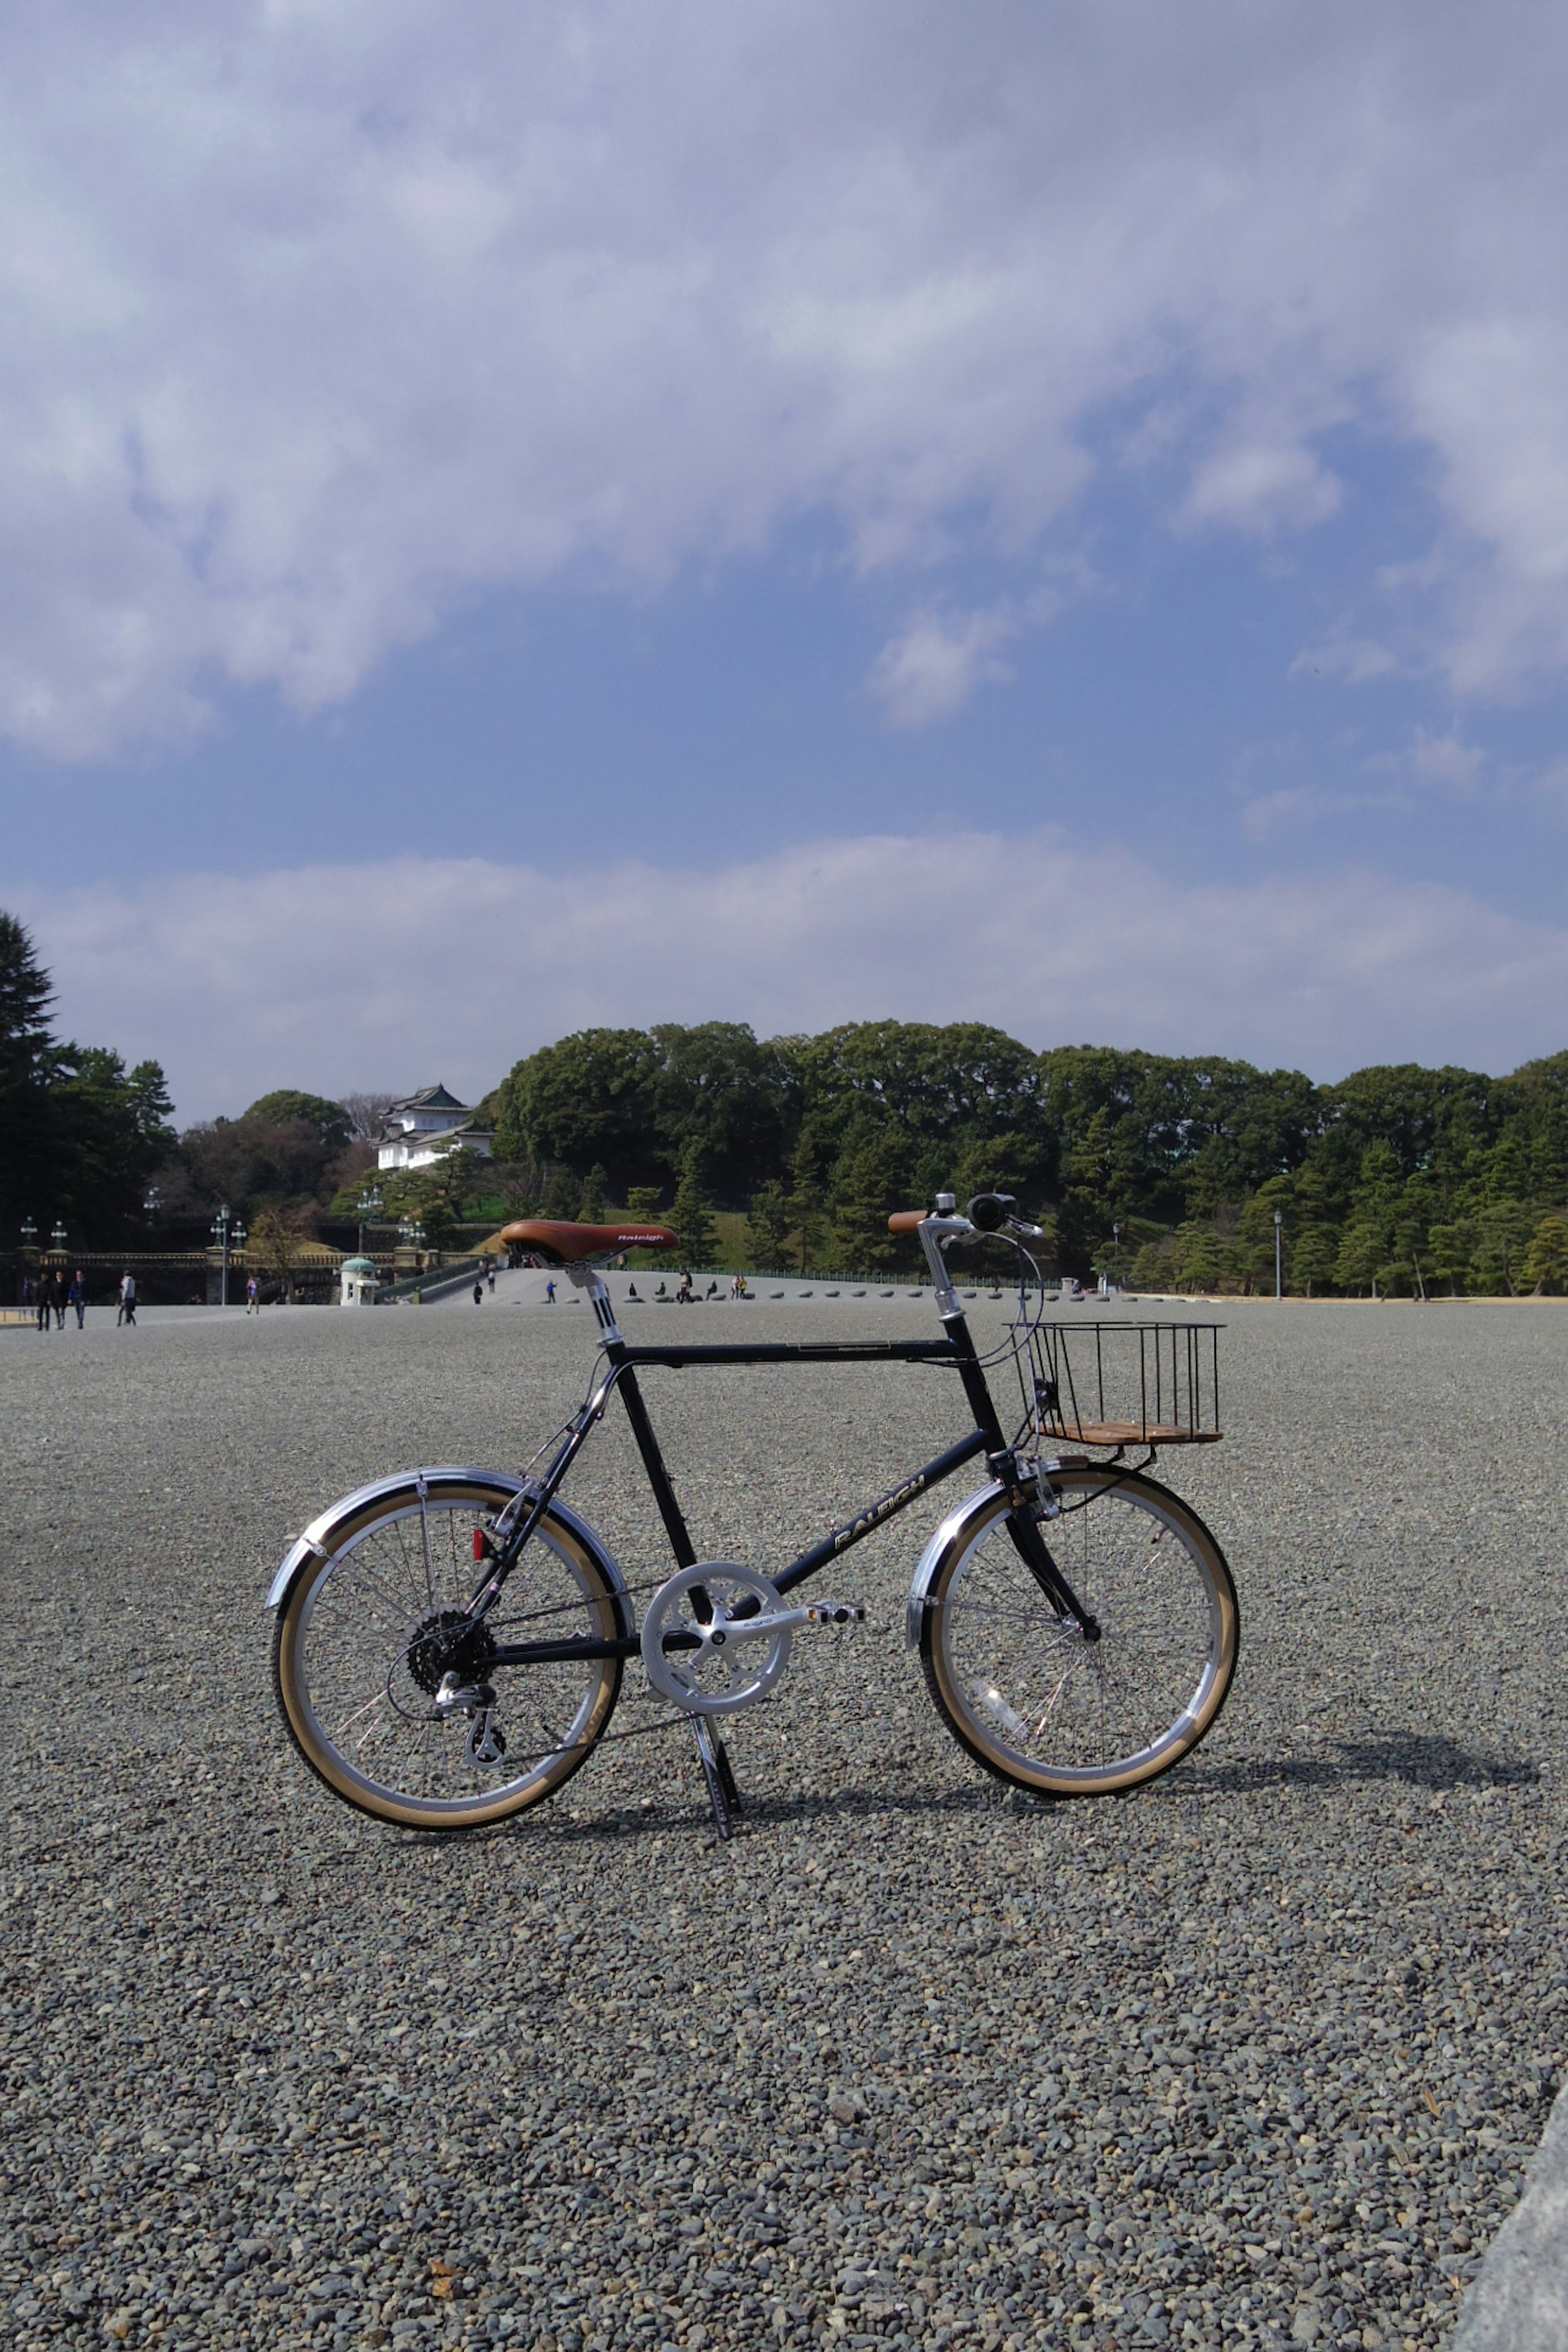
(426, 1128)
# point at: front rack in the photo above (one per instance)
(1121, 1383)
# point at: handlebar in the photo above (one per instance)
(989, 1212)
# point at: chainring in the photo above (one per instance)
(720, 1667)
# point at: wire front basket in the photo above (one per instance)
(1121, 1383)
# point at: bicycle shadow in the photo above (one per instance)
(1421, 1759)
(1424, 1760)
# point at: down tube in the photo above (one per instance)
(877, 1515)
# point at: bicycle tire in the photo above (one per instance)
(402, 1561)
(1033, 1702)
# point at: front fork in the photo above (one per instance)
(1024, 1519)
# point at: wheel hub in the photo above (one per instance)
(449, 1643)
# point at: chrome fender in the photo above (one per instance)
(316, 1542)
(956, 1528)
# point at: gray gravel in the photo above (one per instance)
(1258, 2057)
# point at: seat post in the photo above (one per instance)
(586, 1276)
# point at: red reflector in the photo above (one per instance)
(478, 1543)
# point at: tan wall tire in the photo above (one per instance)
(1033, 1702)
(341, 1670)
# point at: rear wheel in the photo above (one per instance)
(366, 1635)
(1028, 1695)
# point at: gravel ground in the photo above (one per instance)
(1255, 2058)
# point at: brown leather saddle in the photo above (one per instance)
(567, 1244)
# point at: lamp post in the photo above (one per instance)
(60, 1237)
(153, 1206)
(411, 1233)
(1278, 1258)
(223, 1229)
(370, 1206)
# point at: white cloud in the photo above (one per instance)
(1441, 762)
(1262, 488)
(934, 665)
(317, 320)
(395, 974)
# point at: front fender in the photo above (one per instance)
(955, 1528)
(316, 1541)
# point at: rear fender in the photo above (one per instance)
(317, 1541)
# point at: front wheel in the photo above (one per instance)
(1021, 1687)
(373, 1617)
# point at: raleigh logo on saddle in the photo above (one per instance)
(450, 1642)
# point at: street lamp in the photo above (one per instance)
(1278, 1260)
(153, 1206)
(223, 1231)
(29, 1235)
(60, 1237)
(370, 1206)
(411, 1233)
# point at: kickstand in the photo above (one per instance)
(722, 1793)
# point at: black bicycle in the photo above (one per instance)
(450, 1642)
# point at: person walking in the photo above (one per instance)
(478, 1290)
(46, 1299)
(550, 1293)
(60, 1298)
(492, 1277)
(127, 1300)
(77, 1296)
(253, 1297)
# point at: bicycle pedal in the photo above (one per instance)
(835, 1612)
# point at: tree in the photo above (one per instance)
(590, 1207)
(275, 1246)
(691, 1219)
(331, 1120)
(593, 1097)
(1198, 1258)
(768, 1227)
(1502, 1231)
(642, 1203)
(366, 1114)
(1546, 1262)
(28, 1060)
(562, 1195)
(1151, 1266)
(870, 1180)
(83, 1135)
(807, 1213)
(1312, 1257)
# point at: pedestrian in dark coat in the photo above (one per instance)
(77, 1296)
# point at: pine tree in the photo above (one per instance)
(692, 1218)
(768, 1227)
(807, 1213)
(591, 1208)
(642, 1203)
(868, 1183)
(562, 1195)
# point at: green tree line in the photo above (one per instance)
(1164, 1171)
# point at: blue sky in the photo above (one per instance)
(1060, 519)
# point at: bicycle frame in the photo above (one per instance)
(623, 1361)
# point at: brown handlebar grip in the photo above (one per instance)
(907, 1221)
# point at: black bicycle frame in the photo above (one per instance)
(622, 1364)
